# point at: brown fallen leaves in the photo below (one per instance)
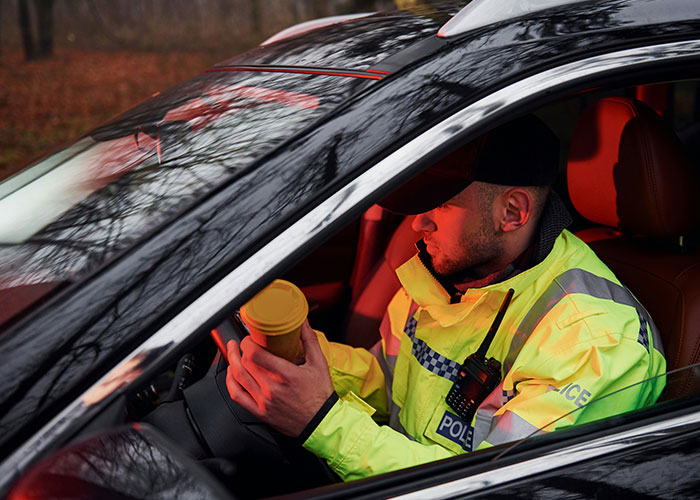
(45, 104)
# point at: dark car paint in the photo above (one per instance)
(355, 45)
(661, 469)
(57, 352)
(126, 462)
(653, 471)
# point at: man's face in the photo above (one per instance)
(462, 233)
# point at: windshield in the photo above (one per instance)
(68, 214)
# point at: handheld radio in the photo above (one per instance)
(477, 376)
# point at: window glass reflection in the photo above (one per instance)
(75, 209)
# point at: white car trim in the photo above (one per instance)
(314, 24)
(480, 13)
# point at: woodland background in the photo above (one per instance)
(67, 66)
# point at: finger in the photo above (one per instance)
(240, 396)
(233, 352)
(238, 370)
(231, 344)
(312, 349)
(263, 358)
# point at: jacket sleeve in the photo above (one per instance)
(350, 437)
(356, 372)
(551, 387)
(355, 446)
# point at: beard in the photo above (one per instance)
(471, 257)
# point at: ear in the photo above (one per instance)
(517, 209)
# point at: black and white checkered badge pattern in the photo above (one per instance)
(643, 333)
(507, 396)
(429, 359)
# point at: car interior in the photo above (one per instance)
(629, 177)
(629, 174)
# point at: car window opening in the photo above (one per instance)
(395, 228)
(352, 275)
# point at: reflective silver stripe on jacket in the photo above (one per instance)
(387, 363)
(505, 428)
(509, 426)
(501, 429)
(573, 281)
(579, 281)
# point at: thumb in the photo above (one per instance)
(309, 340)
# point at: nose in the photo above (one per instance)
(423, 223)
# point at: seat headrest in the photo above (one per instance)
(627, 170)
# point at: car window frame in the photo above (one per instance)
(349, 201)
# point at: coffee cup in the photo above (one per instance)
(274, 318)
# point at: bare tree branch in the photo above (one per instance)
(25, 26)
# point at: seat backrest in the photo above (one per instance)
(627, 172)
(378, 287)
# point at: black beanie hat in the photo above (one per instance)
(523, 152)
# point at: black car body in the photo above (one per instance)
(199, 197)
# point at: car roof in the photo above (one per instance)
(52, 356)
(368, 41)
(359, 43)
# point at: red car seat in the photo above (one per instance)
(379, 286)
(627, 172)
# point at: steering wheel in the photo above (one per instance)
(240, 449)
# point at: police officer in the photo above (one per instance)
(570, 334)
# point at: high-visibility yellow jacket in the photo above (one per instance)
(571, 334)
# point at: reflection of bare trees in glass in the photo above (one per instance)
(127, 463)
(354, 44)
(145, 195)
(572, 19)
(149, 191)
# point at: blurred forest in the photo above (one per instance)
(68, 65)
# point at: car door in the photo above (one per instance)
(429, 128)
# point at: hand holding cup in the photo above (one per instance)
(274, 318)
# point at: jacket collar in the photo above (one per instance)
(449, 305)
(555, 218)
(432, 298)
